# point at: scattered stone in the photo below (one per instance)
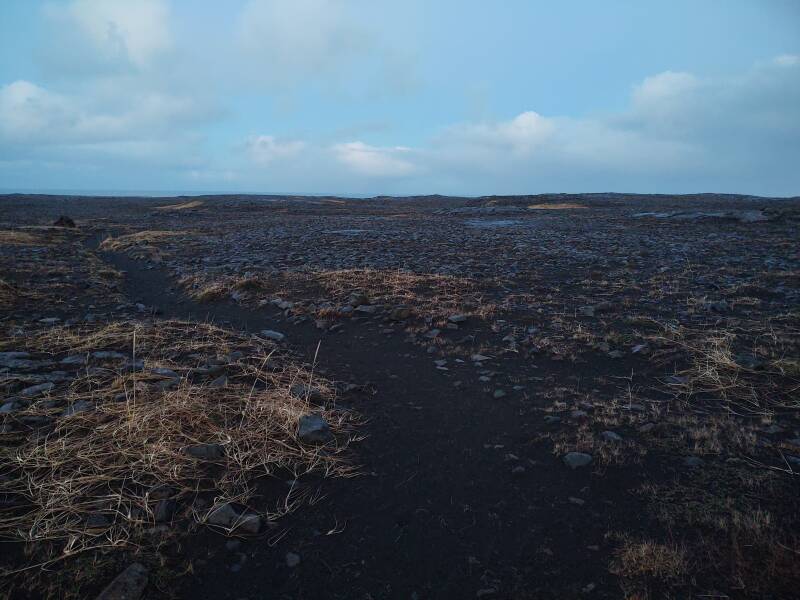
(164, 510)
(128, 585)
(292, 560)
(108, 355)
(304, 391)
(9, 407)
(165, 372)
(314, 429)
(576, 460)
(552, 419)
(693, 462)
(227, 516)
(37, 390)
(400, 313)
(78, 407)
(610, 436)
(498, 393)
(77, 359)
(459, 318)
(276, 336)
(219, 382)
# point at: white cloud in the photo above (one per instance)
(787, 60)
(373, 161)
(31, 114)
(264, 149)
(290, 39)
(135, 32)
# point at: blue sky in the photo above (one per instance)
(375, 97)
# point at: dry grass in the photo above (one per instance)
(183, 206)
(141, 245)
(556, 206)
(651, 560)
(111, 459)
(731, 530)
(750, 372)
(15, 237)
(316, 292)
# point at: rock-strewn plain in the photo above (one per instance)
(554, 396)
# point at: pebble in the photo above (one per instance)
(275, 336)
(314, 429)
(227, 516)
(576, 460)
(37, 390)
(292, 560)
(610, 436)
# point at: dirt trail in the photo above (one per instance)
(438, 512)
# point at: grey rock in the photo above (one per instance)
(368, 309)
(227, 516)
(77, 359)
(8, 407)
(108, 355)
(552, 419)
(128, 585)
(399, 314)
(304, 391)
(275, 336)
(610, 436)
(165, 372)
(498, 393)
(292, 560)
(219, 382)
(693, 462)
(313, 429)
(577, 460)
(457, 318)
(164, 510)
(37, 390)
(77, 407)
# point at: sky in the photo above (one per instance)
(363, 97)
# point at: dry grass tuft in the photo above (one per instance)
(88, 481)
(183, 206)
(556, 206)
(141, 245)
(15, 237)
(752, 373)
(651, 560)
(438, 295)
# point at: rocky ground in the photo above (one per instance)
(559, 396)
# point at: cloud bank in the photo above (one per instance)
(118, 97)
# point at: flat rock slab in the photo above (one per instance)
(128, 585)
